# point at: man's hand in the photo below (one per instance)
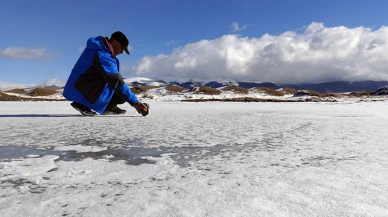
(142, 108)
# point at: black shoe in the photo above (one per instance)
(83, 109)
(114, 111)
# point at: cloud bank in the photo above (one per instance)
(317, 54)
(23, 53)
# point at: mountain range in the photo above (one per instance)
(325, 87)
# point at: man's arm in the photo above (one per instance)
(108, 69)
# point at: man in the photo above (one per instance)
(95, 84)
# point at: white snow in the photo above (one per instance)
(147, 81)
(195, 159)
(161, 94)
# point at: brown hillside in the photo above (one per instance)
(39, 91)
(360, 94)
(269, 91)
(142, 89)
(209, 90)
(175, 88)
(17, 91)
(288, 90)
(6, 97)
(235, 89)
(42, 91)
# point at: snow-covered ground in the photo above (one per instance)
(195, 159)
(161, 94)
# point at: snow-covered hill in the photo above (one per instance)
(381, 91)
(181, 90)
(230, 93)
(332, 87)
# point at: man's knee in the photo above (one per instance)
(118, 98)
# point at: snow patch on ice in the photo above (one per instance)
(80, 148)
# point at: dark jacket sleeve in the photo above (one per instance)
(110, 72)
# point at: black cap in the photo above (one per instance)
(120, 37)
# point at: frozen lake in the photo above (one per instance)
(195, 159)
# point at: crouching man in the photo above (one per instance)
(95, 84)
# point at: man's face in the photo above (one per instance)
(118, 49)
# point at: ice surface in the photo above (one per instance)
(195, 159)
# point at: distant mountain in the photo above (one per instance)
(208, 83)
(264, 84)
(341, 86)
(381, 91)
(334, 86)
(52, 87)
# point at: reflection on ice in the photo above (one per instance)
(132, 157)
(183, 156)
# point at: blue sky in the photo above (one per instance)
(41, 39)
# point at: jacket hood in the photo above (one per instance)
(96, 43)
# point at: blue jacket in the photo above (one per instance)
(95, 77)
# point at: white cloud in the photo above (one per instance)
(12, 85)
(235, 27)
(316, 55)
(171, 42)
(23, 53)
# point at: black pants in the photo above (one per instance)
(117, 98)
